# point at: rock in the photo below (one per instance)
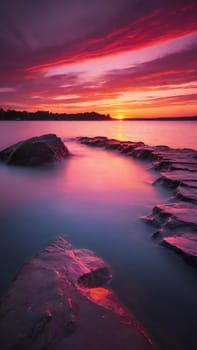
(98, 141)
(185, 244)
(175, 165)
(178, 228)
(178, 177)
(144, 152)
(174, 215)
(187, 194)
(178, 170)
(58, 301)
(113, 145)
(94, 278)
(35, 151)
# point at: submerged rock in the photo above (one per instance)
(58, 301)
(35, 151)
(177, 223)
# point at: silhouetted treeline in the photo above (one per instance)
(44, 115)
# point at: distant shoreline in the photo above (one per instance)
(12, 115)
(189, 118)
(103, 120)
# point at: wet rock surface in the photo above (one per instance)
(185, 244)
(59, 301)
(176, 223)
(35, 151)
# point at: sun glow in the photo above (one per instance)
(120, 116)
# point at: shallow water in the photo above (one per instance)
(94, 200)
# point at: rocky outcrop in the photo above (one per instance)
(185, 244)
(176, 223)
(174, 215)
(59, 301)
(35, 151)
(177, 228)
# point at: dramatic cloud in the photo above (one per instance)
(180, 67)
(50, 52)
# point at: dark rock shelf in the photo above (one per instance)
(59, 301)
(177, 222)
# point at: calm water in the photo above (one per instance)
(94, 200)
(173, 134)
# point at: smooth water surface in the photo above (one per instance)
(174, 134)
(95, 199)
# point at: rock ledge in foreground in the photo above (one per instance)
(35, 151)
(58, 301)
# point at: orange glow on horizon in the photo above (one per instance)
(119, 116)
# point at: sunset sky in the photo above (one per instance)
(128, 58)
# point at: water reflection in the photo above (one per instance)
(120, 134)
(153, 133)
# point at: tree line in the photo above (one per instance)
(45, 115)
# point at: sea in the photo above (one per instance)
(95, 200)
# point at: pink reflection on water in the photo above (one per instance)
(150, 132)
(91, 177)
(98, 175)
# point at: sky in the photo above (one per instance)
(126, 58)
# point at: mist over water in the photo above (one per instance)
(95, 199)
